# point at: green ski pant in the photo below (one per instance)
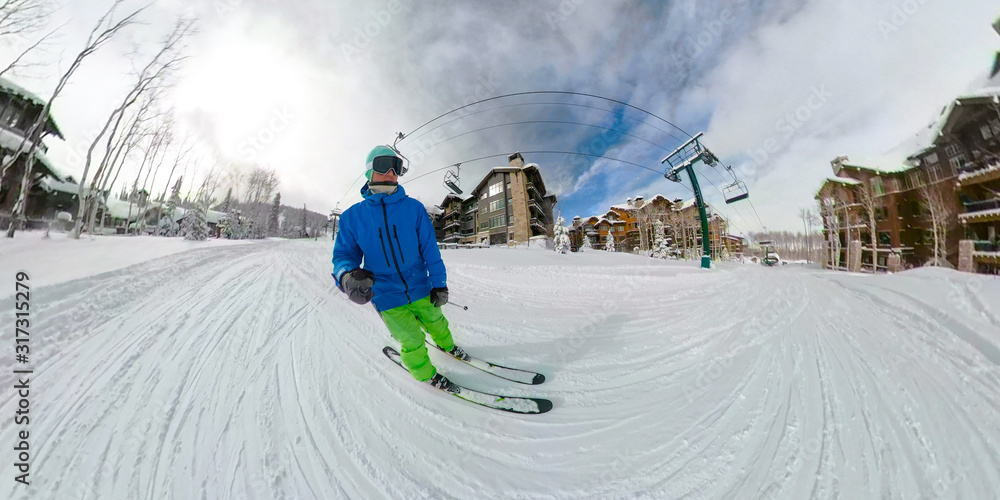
(407, 324)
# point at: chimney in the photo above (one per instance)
(515, 160)
(838, 164)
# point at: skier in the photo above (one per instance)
(403, 274)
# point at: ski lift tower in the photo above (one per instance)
(683, 159)
(335, 219)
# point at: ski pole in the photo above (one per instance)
(464, 308)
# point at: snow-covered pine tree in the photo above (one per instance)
(659, 241)
(167, 225)
(194, 227)
(304, 234)
(272, 220)
(609, 243)
(587, 245)
(561, 236)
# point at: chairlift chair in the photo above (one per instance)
(735, 192)
(452, 181)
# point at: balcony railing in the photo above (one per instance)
(983, 205)
(530, 187)
(452, 224)
(534, 204)
(986, 246)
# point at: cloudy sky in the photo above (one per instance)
(780, 87)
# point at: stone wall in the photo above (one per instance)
(855, 264)
(966, 263)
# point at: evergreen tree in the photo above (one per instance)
(305, 234)
(609, 243)
(272, 220)
(167, 226)
(587, 245)
(659, 241)
(562, 243)
(194, 227)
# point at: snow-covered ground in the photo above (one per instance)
(240, 372)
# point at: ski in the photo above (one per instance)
(504, 403)
(512, 374)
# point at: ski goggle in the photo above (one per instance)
(383, 164)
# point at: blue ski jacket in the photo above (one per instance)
(394, 236)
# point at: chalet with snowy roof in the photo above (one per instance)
(449, 220)
(969, 130)
(19, 109)
(951, 177)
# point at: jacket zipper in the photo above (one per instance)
(401, 256)
(382, 241)
(406, 288)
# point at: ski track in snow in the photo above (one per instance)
(240, 372)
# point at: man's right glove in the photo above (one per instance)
(357, 284)
(439, 296)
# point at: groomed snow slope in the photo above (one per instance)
(240, 372)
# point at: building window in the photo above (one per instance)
(604, 227)
(956, 163)
(483, 196)
(877, 186)
(929, 159)
(951, 150)
(884, 238)
(510, 220)
(496, 188)
(918, 179)
(510, 201)
(934, 173)
(12, 115)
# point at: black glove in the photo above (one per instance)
(357, 284)
(439, 296)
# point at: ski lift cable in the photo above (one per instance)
(738, 212)
(621, 115)
(540, 92)
(450, 165)
(529, 122)
(758, 215)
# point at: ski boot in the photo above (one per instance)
(458, 353)
(440, 382)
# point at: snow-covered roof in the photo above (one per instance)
(50, 184)
(11, 141)
(880, 165)
(120, 209)
(621, 206)
(19, 91)
(984, 94)
(844, 180)
(211, 216)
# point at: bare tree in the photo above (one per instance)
(941, 215)
(20, 17)
(122, 149)
(148, 79)
(104, 31)
(870, 204)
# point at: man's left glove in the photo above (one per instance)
(439, 296)
(357, 284)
